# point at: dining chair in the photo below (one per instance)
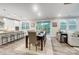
(33, 39)
(45, 38)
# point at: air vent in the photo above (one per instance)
(67, 3)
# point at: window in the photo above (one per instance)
(72, 24)
(43, 25)
(63, 25)
(25, 25)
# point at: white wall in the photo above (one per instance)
(10, 24)
(30, 22)
(77, 24)
(56, 29)
(1, 25)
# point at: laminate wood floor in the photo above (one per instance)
(18, 48)
(52, 47)
(63, 49)
(11, 48)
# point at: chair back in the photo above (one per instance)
(32, 37)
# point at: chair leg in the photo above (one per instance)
(36, 48)
(44, 42)
(29, 46)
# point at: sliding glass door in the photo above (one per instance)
(43, 25)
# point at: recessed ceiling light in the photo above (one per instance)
(35, 8)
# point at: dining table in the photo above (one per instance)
(40, 36)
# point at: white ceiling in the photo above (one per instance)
(25, 11)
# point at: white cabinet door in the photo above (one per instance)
(4, 40)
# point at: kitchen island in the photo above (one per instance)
(7, 37)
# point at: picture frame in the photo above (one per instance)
(54, 24)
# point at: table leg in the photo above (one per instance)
(42, 44)
(26, 42)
